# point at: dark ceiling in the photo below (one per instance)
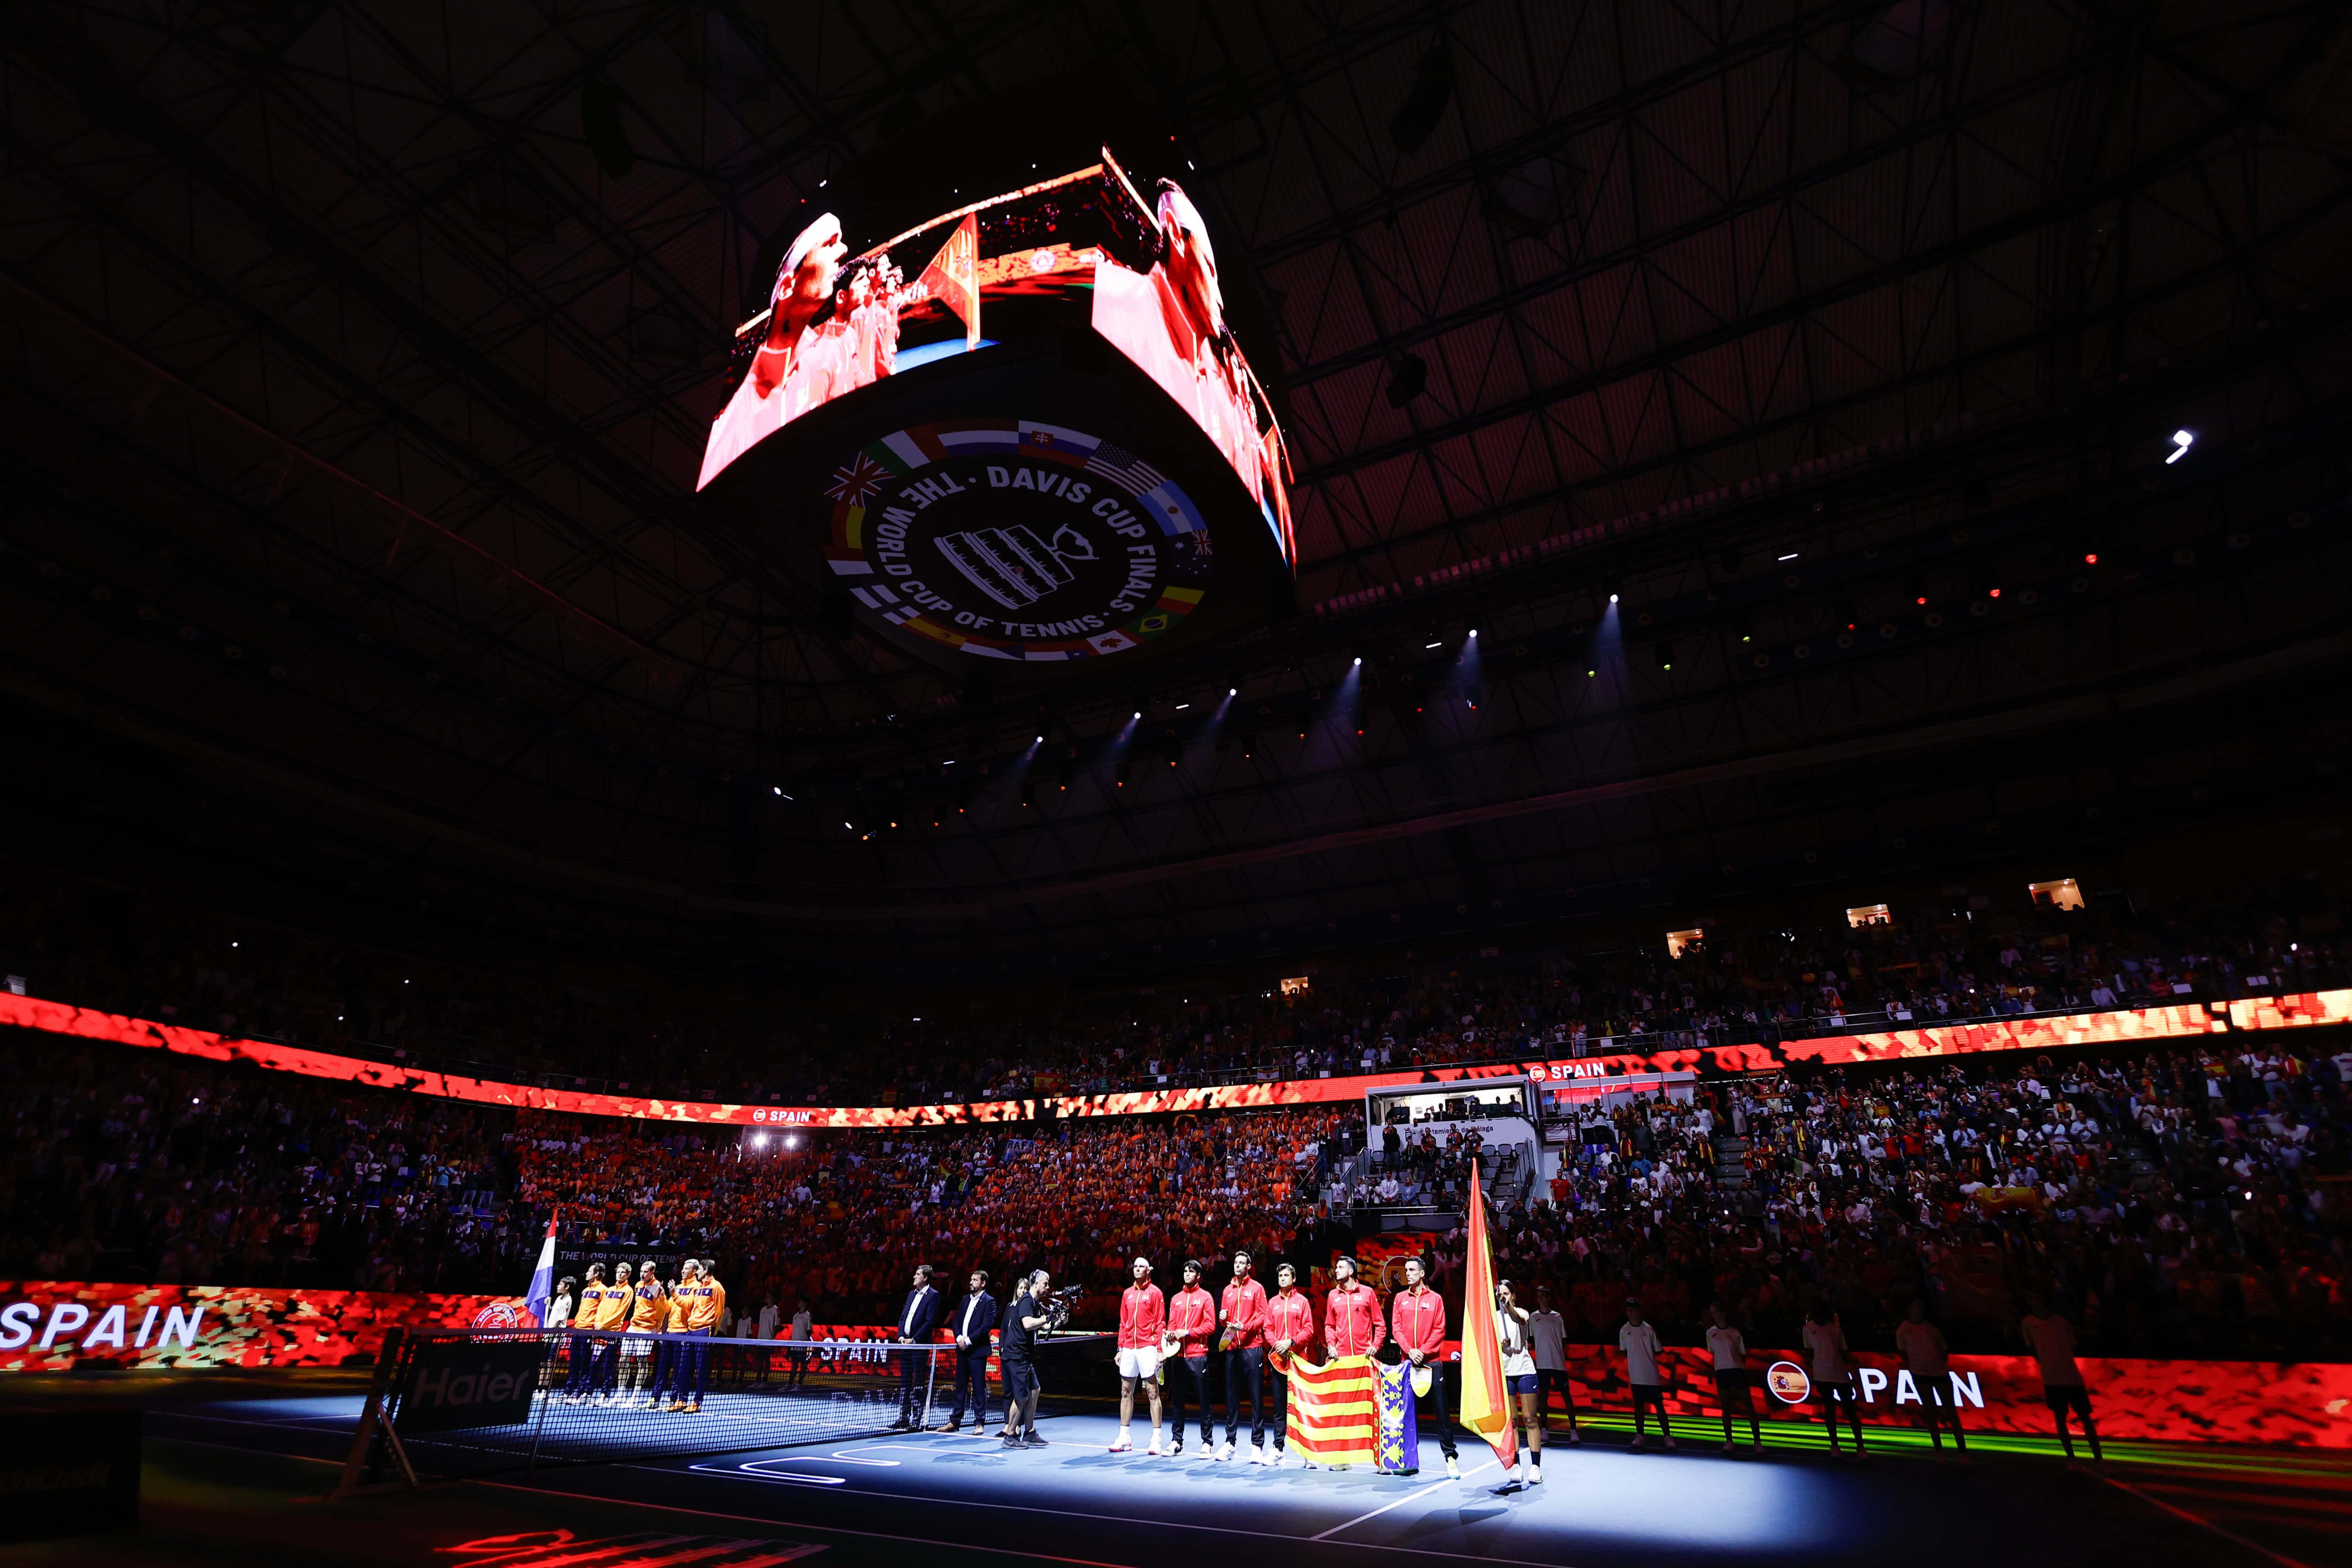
(354, 393)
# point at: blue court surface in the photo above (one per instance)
(1598, 1504)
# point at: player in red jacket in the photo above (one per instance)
(1352, 1314)
(1142, 1324)
(1243, 1311)
(1191, 1324)
(1418, 1314)
(1289, 1331)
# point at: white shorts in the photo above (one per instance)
(1138, 1362)
(635, 1349)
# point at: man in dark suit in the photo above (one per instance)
(972, 1321)
(919, 1320)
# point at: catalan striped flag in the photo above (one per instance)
(1335, 1411)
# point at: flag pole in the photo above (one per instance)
(541, 1293)
(1486, 1403)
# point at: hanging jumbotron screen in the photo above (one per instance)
(1019, 431)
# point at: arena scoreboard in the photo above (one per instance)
(1017, 436)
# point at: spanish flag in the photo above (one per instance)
(1486, 1405)
(1334, 1411)
(953, 277)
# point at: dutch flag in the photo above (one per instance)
(541, 1293)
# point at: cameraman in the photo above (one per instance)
(1016, 1348)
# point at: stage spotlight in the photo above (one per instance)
(1612, 598)
(1360, 661)
(2181, 440)
(1473, 631)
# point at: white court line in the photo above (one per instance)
(1400, 1502)
(746, 1473)
(1258, 1535)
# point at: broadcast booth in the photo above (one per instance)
(1501, 1111)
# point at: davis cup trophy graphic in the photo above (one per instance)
(1013, 566)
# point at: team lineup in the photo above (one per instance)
(670, 1373)
(639, 1344)
(1163, 1344)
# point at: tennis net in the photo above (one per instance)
(455, 1403)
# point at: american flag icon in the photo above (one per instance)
(859, 481)
(1118, 463)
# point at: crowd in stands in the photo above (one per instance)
(2187, 1201)
(123, 1163)
(127, 1163)
(842, 1219)
(2195, 1201)
(1945, 960)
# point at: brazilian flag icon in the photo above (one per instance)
(1150, 623)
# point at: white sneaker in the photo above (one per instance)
(1453, 1468)
(1224, 1451)
(1152, 1452)
(1205, 1451)
(1535, 1475)
(1123, 1445)
(1258, 1455)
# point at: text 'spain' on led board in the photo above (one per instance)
(1019, 430)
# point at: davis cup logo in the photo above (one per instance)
(499, 1315)
(1008, 539)
(1788, 1383)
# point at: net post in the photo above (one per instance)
(930, 1383)
(363, 1436)
(547, 1342)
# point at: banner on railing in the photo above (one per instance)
(2306, 1405)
